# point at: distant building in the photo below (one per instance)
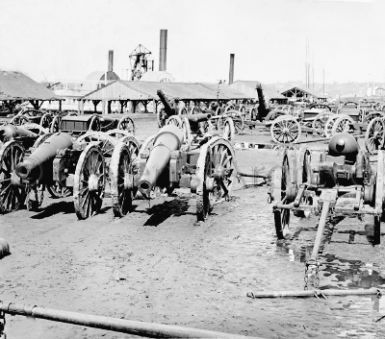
(74, 90)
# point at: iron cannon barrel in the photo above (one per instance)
(200, 117)
(166, 103)
(168, 139)
(9, 132)
(46, 151)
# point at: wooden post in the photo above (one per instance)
(60, 105)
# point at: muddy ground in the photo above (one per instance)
(158, 265)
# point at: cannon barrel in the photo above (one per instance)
(200, 117)
(9, 132)
(344, 144)
(262, 107)
(46, 151)
(168, 139)
(166, 103)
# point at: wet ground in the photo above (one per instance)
(158, 265)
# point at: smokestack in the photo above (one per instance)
(231, 72)
(110, 61)
(163, 50)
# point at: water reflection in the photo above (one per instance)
(335, 272)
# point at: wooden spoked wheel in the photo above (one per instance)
(122, 172)
(288, 192)
(161, 116)
(174, 120)
(343, 125)
(239, 121)
(285, 130)
(105, 141)
(217, 177)
(318, 124)
(18, 120)
(55, 124)
(89, 182)
(228, 129)
(375, 135)
(12, 192)
(127, 124)
(46, 121)
(329, 125)
(95, 124)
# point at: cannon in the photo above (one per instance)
(14, 142)
(64, 163)
(339, 179)
(169, 160)
(168, 109)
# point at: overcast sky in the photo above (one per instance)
(67, 39)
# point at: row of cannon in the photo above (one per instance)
(90, 153)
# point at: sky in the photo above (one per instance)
(54, 40)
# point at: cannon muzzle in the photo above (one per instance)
(168, 139)
(31, 166)
(10, 132)
(344, 144)
(166, 103)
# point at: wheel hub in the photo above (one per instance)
(209, 183)
(219, 172)
(15, 179)
(285, 130)
(128, 181)
(93, 182)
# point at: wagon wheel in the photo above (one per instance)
(95, 124)
(127, 124)
(105, 141)
(288, 192)
(318, 124)
(55, 124)
(228, 129)
(174, 120)
(217, 176)
(329, 125)
(161, 117)
(20, 120)
(122, 172)
(239, 122)
(12, 192)
(375, 135)
(343, 125)
(46, 120)
(285, 130)
(89, 182)
(370, 116)
(195, 110)
(182, 111)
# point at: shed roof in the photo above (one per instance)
(17, 86)
(147, 90)
(117, 90)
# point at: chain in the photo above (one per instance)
(311, 278)
(2, 325)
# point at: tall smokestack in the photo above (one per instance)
(163, 50)
(110, 60)
(231, 72)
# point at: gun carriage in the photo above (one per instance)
(60, 162)
(180, 155)
(338, 182)
(15, 141)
